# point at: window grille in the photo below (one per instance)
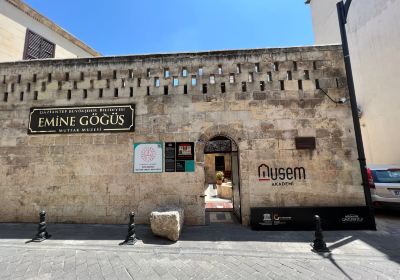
(37, 47)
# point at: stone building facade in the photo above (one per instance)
(27, 34)
(261, 99)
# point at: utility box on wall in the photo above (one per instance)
(305, 143)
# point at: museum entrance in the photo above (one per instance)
(222, 181)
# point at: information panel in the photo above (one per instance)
(148, 157)
(82, 119)
(179, 157)
(170, 156)
(302, 218)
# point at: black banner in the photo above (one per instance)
(302, 218)
(82, 119)
(170, 157)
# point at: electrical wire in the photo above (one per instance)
(334, 101)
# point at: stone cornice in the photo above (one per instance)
(159, 57)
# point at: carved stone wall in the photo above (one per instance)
(263, 106)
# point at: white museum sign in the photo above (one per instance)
(148, 157)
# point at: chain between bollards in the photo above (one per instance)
(42, 229)
(131, 237)
(319, 244)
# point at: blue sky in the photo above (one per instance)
(152, 26)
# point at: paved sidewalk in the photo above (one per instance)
(218, 251)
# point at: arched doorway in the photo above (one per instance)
(221, 154)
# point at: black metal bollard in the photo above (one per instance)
(42, 229)
(319, 244)
(131, 237)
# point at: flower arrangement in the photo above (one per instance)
(219, 176)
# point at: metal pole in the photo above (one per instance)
(42, 229)
(319, 244)
(131, 237)
(342, 14)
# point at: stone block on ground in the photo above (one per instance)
(167, 222)
(226, 191)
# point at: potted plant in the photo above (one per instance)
(220, 177)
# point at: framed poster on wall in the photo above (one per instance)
(148, 157)
(184, 157)
(179, 157)
(185, 151)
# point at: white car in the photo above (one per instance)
(384, 182)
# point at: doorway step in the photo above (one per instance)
(221, 218)
(219, 206)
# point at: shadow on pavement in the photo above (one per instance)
(64, 231)
(333, 261)
(213, 232)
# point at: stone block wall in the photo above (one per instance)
(261, 98)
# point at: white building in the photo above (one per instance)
(373, 30)
(26, 34)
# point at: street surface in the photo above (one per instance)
(218, 251)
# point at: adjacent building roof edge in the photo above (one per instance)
(50, 24)
(136, 57)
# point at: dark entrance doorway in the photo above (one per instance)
(220, 163)
(221, 154)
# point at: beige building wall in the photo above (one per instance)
(374, 40)
(13, 26)
(325, 22)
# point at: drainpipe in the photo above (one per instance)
(343, 9)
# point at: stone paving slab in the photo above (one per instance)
(218, 251)
(68, 263)
(214, 237)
